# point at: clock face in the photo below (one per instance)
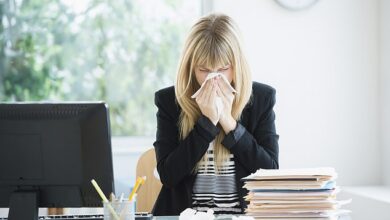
(296, 4)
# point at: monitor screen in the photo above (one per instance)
(52, 151)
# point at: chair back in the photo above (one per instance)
(147, 194)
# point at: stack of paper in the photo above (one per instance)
(294, 193)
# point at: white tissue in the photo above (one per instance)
(191, 214)
(243, 218)
(218, 100)
(187, 214)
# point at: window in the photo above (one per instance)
(118, 51)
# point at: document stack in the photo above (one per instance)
(294, 193)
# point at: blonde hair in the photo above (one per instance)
(212, 41)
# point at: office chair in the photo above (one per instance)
(147, 194)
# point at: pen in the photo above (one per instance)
(121, 198)
(139, 182)
(104, 198)
(112, 197)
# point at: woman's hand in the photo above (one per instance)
(206, 101)
(226, 119)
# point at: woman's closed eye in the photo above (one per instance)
(223, 69)
(219, 70)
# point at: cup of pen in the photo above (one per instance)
(119, 209)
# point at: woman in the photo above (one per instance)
(201, 153)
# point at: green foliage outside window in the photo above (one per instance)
(118, 51)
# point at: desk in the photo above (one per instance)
(166, 217)
(346, 217)
(154, 218)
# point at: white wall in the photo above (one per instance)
(324, 63)
(385, 85)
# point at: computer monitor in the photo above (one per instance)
(49, 152)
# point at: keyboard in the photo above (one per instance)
(138, 216)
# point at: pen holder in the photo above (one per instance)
(124, 210)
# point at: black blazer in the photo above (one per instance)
(254, 144)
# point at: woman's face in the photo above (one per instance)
(201, 73)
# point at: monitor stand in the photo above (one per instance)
(23, 205)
